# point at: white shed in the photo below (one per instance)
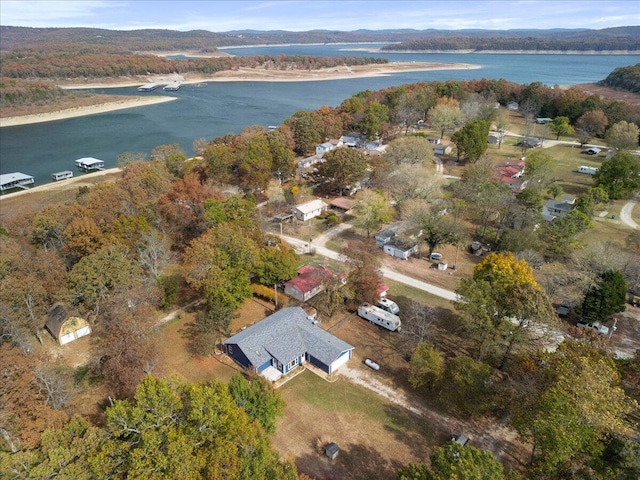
(310, 209)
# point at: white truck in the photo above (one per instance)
(380, 317)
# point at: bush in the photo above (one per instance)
(170, 286)
(263, 292)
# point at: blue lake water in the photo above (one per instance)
(228, 107)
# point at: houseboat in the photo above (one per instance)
(148, 87)
(89, 164)
(9, 181)
(172, 87)
(61, 175)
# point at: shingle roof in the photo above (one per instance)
(286, 335)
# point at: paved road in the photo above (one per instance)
(318, 245)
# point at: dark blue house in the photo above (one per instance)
(282, 341)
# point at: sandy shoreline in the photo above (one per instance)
(240, 75)
(82, 111)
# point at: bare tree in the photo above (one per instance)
(155, 253)
(417, 320)
(54, 386)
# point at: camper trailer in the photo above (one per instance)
(380, 317)
(589, 170)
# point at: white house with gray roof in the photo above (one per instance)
(283, 341)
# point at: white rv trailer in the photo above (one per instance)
(380, 317)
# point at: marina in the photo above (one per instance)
(89, 164)
(56, 177)
(148, 87)
(9, 181)
(172, 87)
(42, 148)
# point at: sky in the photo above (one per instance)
(344, 15)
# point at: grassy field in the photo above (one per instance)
(376, 437)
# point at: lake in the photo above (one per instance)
(228, 107)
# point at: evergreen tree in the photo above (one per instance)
(606, 298)
(471, 140)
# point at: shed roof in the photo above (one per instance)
(309, 277)
(57, 315)
(286, 335)
(311, 206)
(344, 203)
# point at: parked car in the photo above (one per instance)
(597, 326)
(564, 309)
(462, 439)
(388, 305)
(592, 151)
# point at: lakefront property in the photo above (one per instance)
(283, 341)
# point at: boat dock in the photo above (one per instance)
(148, 87)
(62, 175)
(172, 87)
(89, 164)
(9, 181)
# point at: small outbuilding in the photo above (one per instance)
(64, 327)
(442, 149)
(331, 450)
(309, 210)
(400, 249)
(309, 282)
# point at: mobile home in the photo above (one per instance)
(589, 170)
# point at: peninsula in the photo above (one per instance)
(342, 72)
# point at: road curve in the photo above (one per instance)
(625, 213)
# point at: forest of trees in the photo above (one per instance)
(96, 62)
(204, 41)
(624, 78)
(529, 43)
(171, 228)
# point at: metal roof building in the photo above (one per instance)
(9, 181)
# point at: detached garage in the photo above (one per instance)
(64, 327)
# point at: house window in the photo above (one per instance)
(229, 350)
(292, 364)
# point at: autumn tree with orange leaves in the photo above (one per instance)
(502, 303)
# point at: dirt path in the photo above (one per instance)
(625, 213)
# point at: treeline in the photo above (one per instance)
(205, 41)
(624, 78)
(623, 43)
(21, 92)
(90, 64)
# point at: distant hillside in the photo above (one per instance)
(624, 78)
(611, 39)
(117, 41)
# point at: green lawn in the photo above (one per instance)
(346, 397)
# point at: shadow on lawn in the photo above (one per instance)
(355, 461)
